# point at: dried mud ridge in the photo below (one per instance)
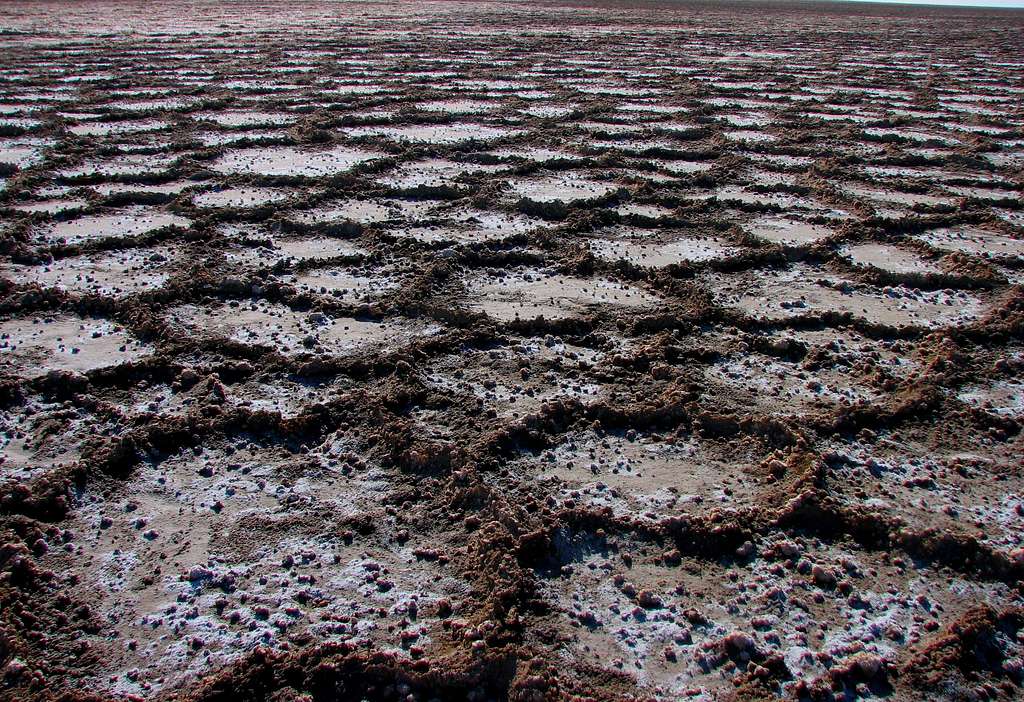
(379, 352)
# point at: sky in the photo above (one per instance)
(956, 3)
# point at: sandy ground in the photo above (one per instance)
(526, 351)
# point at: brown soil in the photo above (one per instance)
(490, 351)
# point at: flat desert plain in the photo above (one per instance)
(511, 351)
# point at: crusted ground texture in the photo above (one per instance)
(529, 351)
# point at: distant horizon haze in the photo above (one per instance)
(992, 4)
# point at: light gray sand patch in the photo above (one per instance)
(293, 161)
(530, 294)
(37, 345)
(289, 332)
(128, 222)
